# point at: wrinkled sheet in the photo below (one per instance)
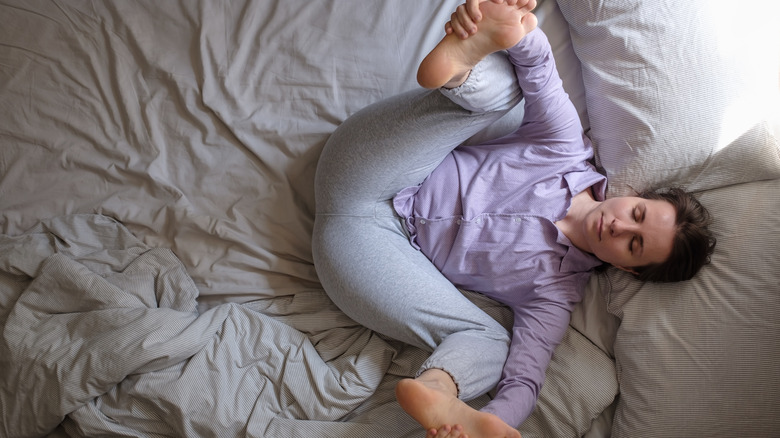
(196, 125)
(105, 330)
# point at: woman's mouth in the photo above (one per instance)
(601, 226)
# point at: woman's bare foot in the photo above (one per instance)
(502, 26)
(430, 399)
(447, 431)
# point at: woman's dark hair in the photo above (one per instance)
(693, 242)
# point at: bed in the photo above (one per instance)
(157, 162)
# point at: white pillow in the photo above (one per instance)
(670, 84)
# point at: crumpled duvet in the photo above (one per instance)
(101, 335)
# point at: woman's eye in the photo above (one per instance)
(631, 245)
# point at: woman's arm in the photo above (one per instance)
(550, 116)
(539, 326)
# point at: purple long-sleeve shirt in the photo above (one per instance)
(486, 218)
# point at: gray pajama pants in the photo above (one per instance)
(361, 251)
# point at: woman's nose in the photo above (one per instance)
(618, 227)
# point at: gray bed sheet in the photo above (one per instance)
(156, 204)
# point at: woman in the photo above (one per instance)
(405, 217)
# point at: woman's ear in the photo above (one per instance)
(622, 268)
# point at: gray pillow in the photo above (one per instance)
(679, 94)
(700, 358)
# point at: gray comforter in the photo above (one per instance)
(103, 331)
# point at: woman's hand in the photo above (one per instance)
(463, 21)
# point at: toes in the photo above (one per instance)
(529, 22)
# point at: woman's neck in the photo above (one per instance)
(572, 224)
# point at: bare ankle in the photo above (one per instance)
(457, 80)
(439, 380)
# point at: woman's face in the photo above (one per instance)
(629, 231)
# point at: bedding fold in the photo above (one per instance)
(106, 339)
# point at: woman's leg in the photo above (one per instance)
(366, 263)
(362, 255)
